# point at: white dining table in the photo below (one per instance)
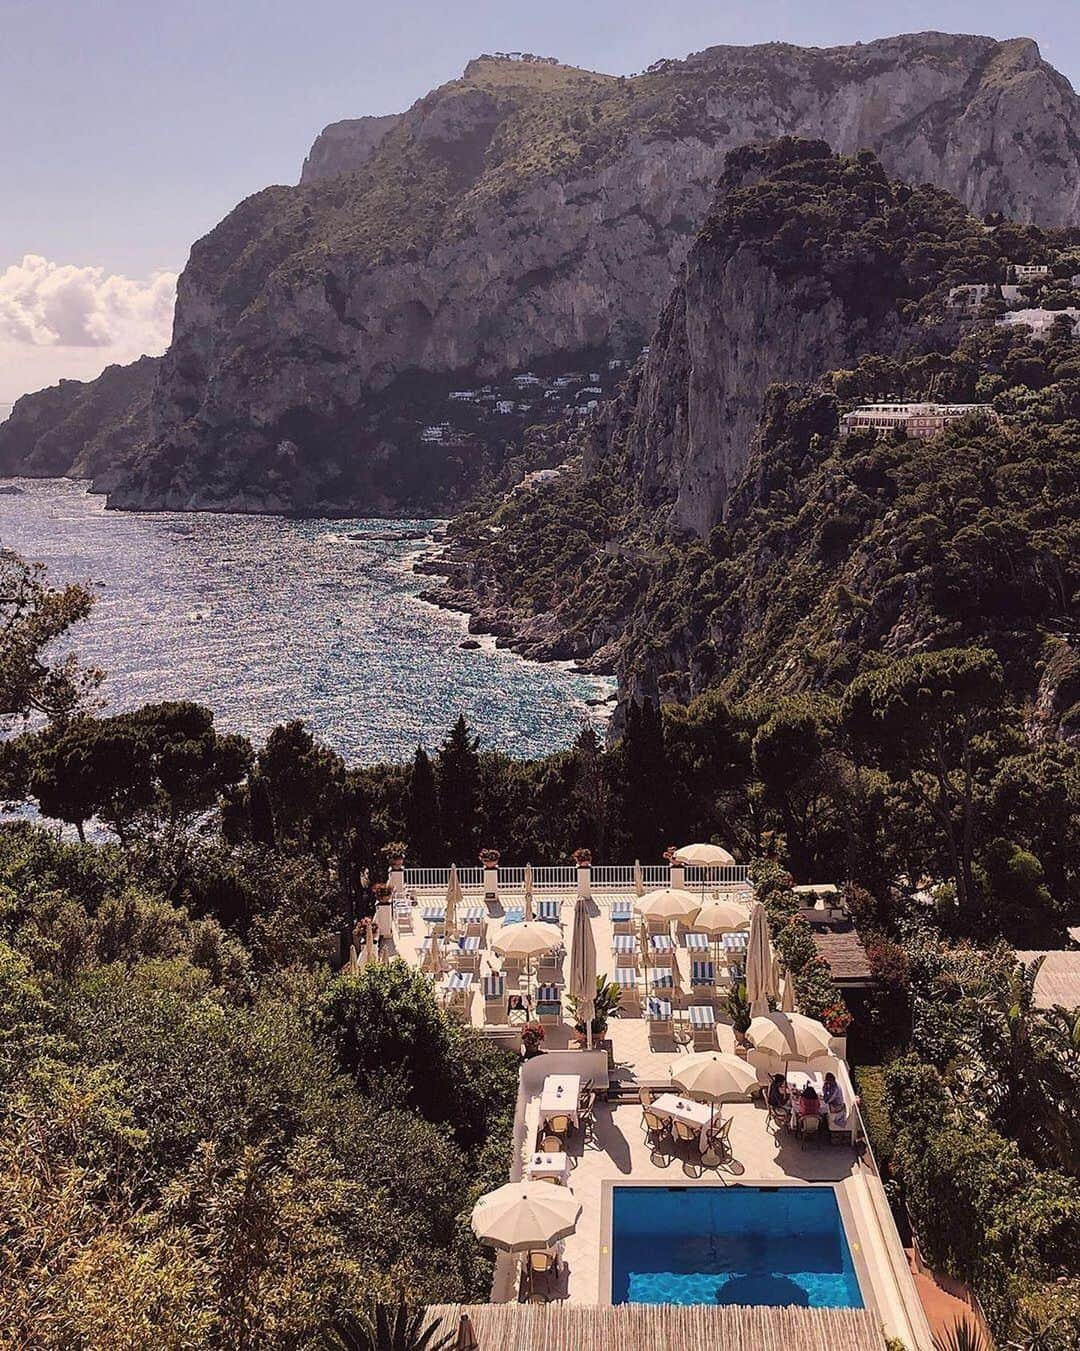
(690, 1113)
(560, 1096)
(842, 1120)
(542, 1164)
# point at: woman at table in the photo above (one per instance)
(808, 1102)
(832, 1095)
(779, 1096)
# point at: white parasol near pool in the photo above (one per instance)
(722, 917)
(525, 1215)
(714, 1074)
(703, 856)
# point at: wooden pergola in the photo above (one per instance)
(667, 1327)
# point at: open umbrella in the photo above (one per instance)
(714, 1074)
(639, 879)
(759, 962)
(529, 939)
(582, 978)
(789, 1036)
(454, 898)
(669, 903)
(524, 1215)
(703, 856)
(722, 917)
(528, 887)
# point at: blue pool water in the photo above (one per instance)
(731, 1245)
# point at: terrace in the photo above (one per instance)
(665, 973)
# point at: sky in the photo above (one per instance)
(128, 129)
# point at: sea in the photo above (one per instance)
(266, 619)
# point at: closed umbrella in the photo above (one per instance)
(714, 1074)
(787, 994)
(434, 963)
(454, 898)
(353, 967)
(370, 954)
(759, 963)
(789, 1036)
(582, 979)
(639, 879)
(528, 891)
(669, 903)
(466, 1337)
(525, 1215)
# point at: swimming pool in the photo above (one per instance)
(731, 1245)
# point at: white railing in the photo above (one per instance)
(428, 879)
(620, 876)
(562, 877)
(731, 875)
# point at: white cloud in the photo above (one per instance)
(58, 320)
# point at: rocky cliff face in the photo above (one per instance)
(344, 147)
(80, 428)
(524, 214)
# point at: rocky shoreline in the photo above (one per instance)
(534, 637)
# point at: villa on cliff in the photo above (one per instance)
(919, 420)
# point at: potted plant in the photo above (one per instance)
(532, 1034)
(605, 1006)
(738, 1007)
(582, 857)
(489, 858)
(394, 854)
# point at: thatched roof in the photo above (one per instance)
(664, 1327)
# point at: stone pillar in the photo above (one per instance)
(396, 878)
(676, 875)
(491, 881)
(584, 880)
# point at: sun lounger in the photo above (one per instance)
(548, 1005)
(703, 1026)
(658, 1014)
(495, 1001)
(549, 911)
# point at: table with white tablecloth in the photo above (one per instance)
(560, 1096)
(541, 1165)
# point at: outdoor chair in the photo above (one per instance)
(646, 1096)
(717, 1145)
(559, 1125)
(684, 1134)
(404, 916)
(780, 1116)
(655, 1127)
(552, 1144)
(808, 1128)
(542, 1261)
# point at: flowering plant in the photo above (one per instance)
(393, 851)
(582, 857)
(383, 891)
(489, 858)
(837, 1018)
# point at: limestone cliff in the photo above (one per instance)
(523, 215)
(80, 428)
(344, 147)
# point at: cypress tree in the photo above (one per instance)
(458, 781)
(422, 826)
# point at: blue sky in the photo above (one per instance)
(128, 129)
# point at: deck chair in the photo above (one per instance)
(403, 916)
(655, 1127)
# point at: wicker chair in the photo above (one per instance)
(717, 1145)
(559, 1125)
(654, 1126)
(685, 1134)
(646, 1096)
(552, 1144)
(808, 1127)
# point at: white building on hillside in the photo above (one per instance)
(1041, 322)
(1031, 271)
(919, 420)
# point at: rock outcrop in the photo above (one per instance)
(344, 147)
(80, 428)
(523, 215)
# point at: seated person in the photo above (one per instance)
(808, 1104)
(779, 1095)
(833, 1097)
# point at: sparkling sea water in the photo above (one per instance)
(265, 619)
(731, 1245)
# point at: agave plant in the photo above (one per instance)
(964, 1335)
(386, 1327)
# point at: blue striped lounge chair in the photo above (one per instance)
(703, 1026)
(549, 911)
(403, 916)
(658, 1013)
(515, 915)
(702, 975)
(622, 916)
(495, 1001)
(548, 1005)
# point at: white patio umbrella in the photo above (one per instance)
(434, 963)
(370, 954)
(525, 1215)
(704, 856)
(669, 903)
(759, 963)
(528, 887)
(789, 1036)
(352, 966)
(715, 1074)
(639, 879)
(787, 994)
(529, 939)
(722, 917)
(454, 898)
(582, 977)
